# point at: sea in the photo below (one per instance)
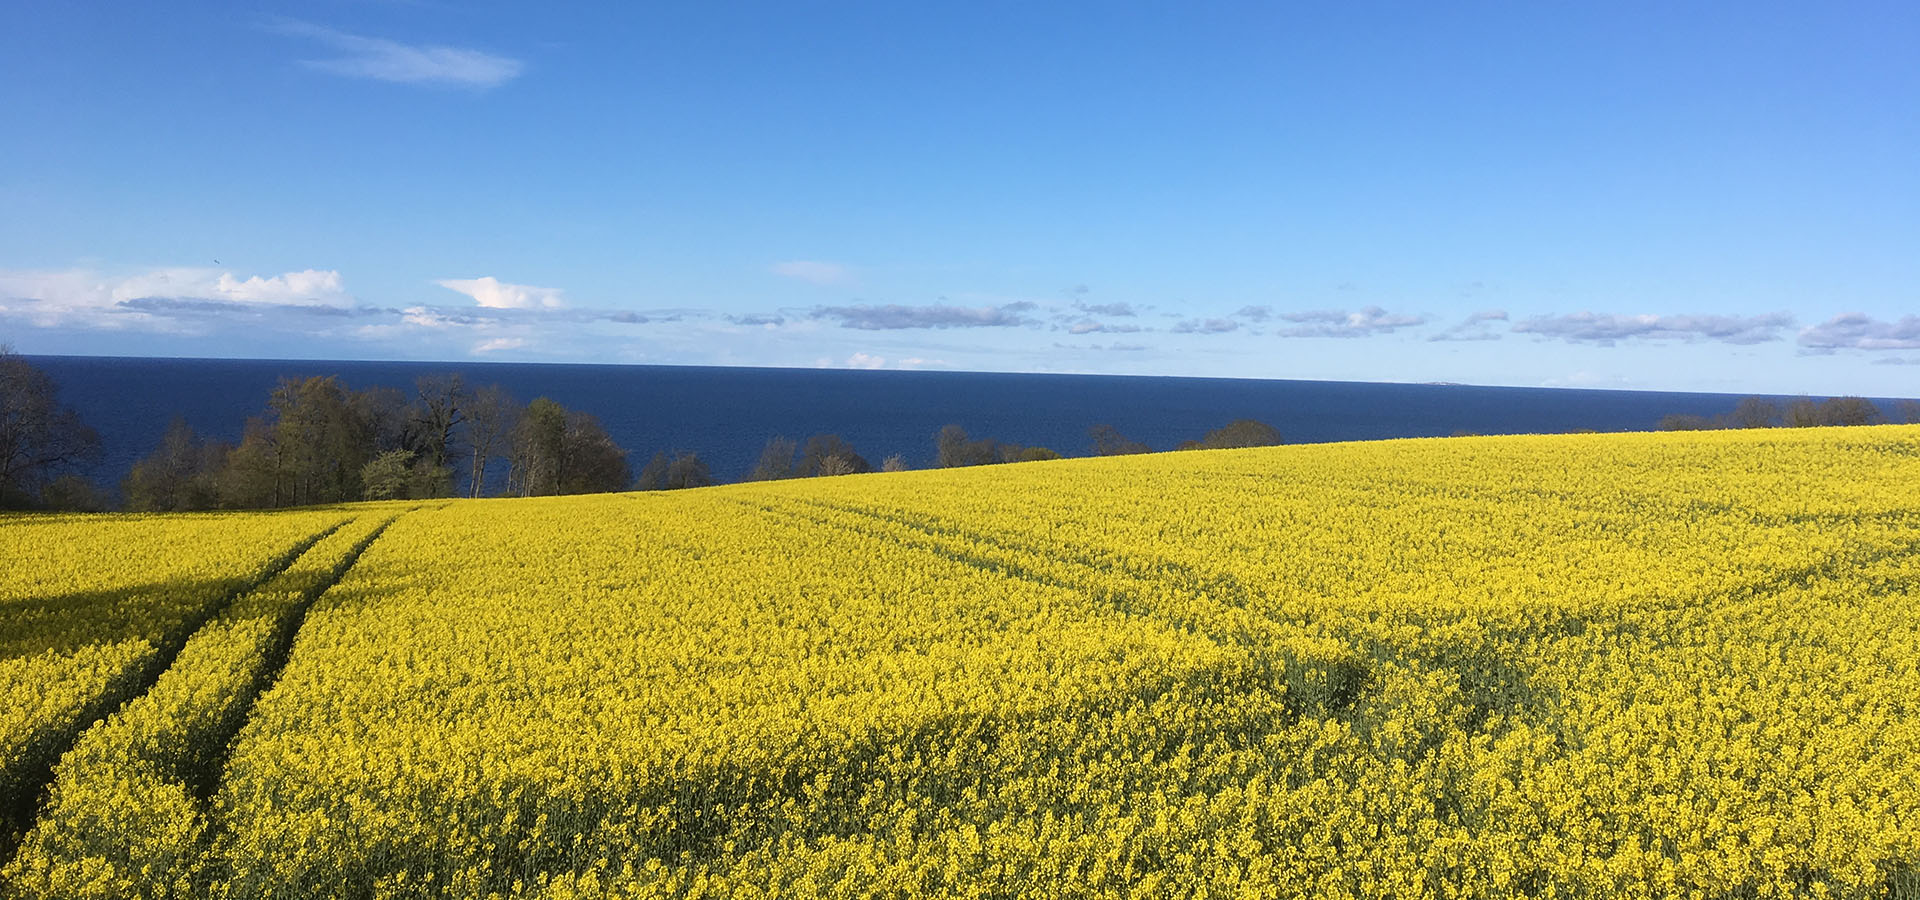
(727, 414)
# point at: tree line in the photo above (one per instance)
(319, 442)
(316, 441)
(1800, 412)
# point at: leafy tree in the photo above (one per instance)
(672, 473)
(539, 444)
(591, 462)
(1242, 433)
(829, 454)
(72, 493)
(182, 473)
(776, 460)
(389, 476)
(1685, 422)
(1108, 441)
(1014, 453)
(39, 438)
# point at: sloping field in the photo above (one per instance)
(1680, 665)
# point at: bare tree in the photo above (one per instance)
(39, 438)
(1108, 441)
(492, 415)
(1754, 412)
(439, 408)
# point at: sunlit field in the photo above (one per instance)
(1672, 665)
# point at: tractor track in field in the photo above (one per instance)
(26, 806)
(279, 650)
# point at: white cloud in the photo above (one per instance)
(380, 59)
(309, 286)
(85, 297)
(865, 361)
(814, 272)
(493, 293)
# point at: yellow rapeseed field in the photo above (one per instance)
(1644, 666)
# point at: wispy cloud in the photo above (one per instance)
(1859, 331)
(814, 272)
(493, 293)
(381, 59)
(1255, 313)
(1474, 327)
(1105, 309)
(1205, 326)
(1089, 326)
(1336, 323)
(894, 316)
(1606, 330)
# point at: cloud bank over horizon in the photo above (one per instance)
(204, 311)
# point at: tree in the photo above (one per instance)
(1907, 411)
(1014, 453)
(829, 454)
(438, 409)
(1108, 441)
(562, 451)
(1242, 433)
(72, 493)
(182, 473)
(894, 463)
(591, 463)
(39, 439)
(1754, 412)
(1801, 412)
(954, 447)
(492, 417)
(776, 460)
(1685, 422)
(672, 473)
(539, 441)
(1850, 411)
(389, 476)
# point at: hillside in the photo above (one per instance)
(1580, 665)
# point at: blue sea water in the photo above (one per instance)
(727, 414)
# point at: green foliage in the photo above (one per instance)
(1241, 433)
(389, 476)
(670, 473)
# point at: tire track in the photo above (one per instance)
(279, 650)
(20, 811)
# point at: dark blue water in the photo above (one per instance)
(727, 414)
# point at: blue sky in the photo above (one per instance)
(1668, 196)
